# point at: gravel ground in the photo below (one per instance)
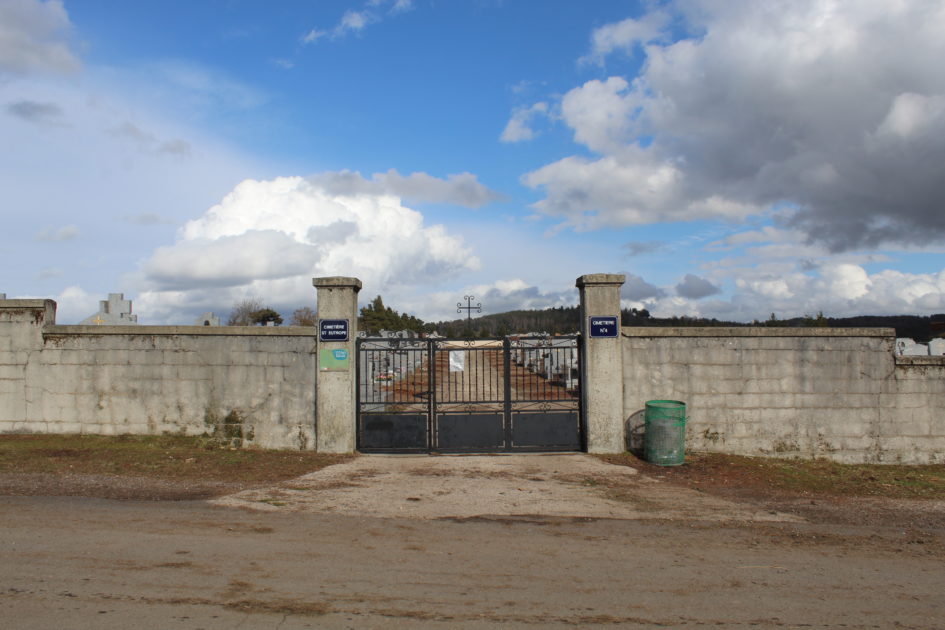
(423, 487)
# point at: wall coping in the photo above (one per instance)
(752, 331)
(337, 282)
(600, 279)
(194, 331)
(920, 360)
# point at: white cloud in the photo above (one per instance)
(312, 36)
(835, 109)
(519, 127)
(600, 113)
(631, 189)
(911, 114)
(269, 238)
(201, 87)
(401, 6)
(355, 21)
(34, 37)
(230, 260)
(74, 304)
(845, 281)
(625, 35)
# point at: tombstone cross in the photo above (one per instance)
(469, 308)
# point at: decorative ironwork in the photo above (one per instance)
(469, 308)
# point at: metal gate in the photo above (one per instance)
(469, 395)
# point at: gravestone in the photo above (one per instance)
(916, 350)
(937, 347)
(115, 311)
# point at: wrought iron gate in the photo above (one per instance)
(469, 395)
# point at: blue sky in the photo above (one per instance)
(733, 159)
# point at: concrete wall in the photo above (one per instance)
(243, 385)
(837, 393)
(811, 392)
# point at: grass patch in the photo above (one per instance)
(177, 458)
(713, 471)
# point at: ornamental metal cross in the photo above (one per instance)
(469, 308)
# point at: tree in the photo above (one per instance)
(816, 322)
(304, 316)
(242, 312)
(264, 316)
(376, 317)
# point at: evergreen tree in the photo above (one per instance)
(375, 317)
(264, 316)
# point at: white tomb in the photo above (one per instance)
(115, 311)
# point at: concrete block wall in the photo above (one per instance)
(834, 393)
(242, 385)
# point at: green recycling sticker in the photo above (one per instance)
(334, 360)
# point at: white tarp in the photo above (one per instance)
(457, 360)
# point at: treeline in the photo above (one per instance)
(566, 320)
(563, 320)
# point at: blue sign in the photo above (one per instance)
(333, 330)
(604, 326)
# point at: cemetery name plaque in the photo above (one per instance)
(603, 326)
(333, 330)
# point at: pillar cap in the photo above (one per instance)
(337, 282)
(597, 279)
(31, 303)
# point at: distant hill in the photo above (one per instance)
(566, 319)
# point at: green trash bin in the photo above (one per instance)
(664, 436)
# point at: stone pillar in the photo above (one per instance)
(602, 364)
(336, 380)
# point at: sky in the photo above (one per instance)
(733, 159)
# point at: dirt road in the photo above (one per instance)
(335, 550)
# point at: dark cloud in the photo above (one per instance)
(145, 218)
(695, 288)
(462, 189)
(57, 235)
(35, 38)
(35, 112)
(837, 116)
(636, 288)
(638, 248)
